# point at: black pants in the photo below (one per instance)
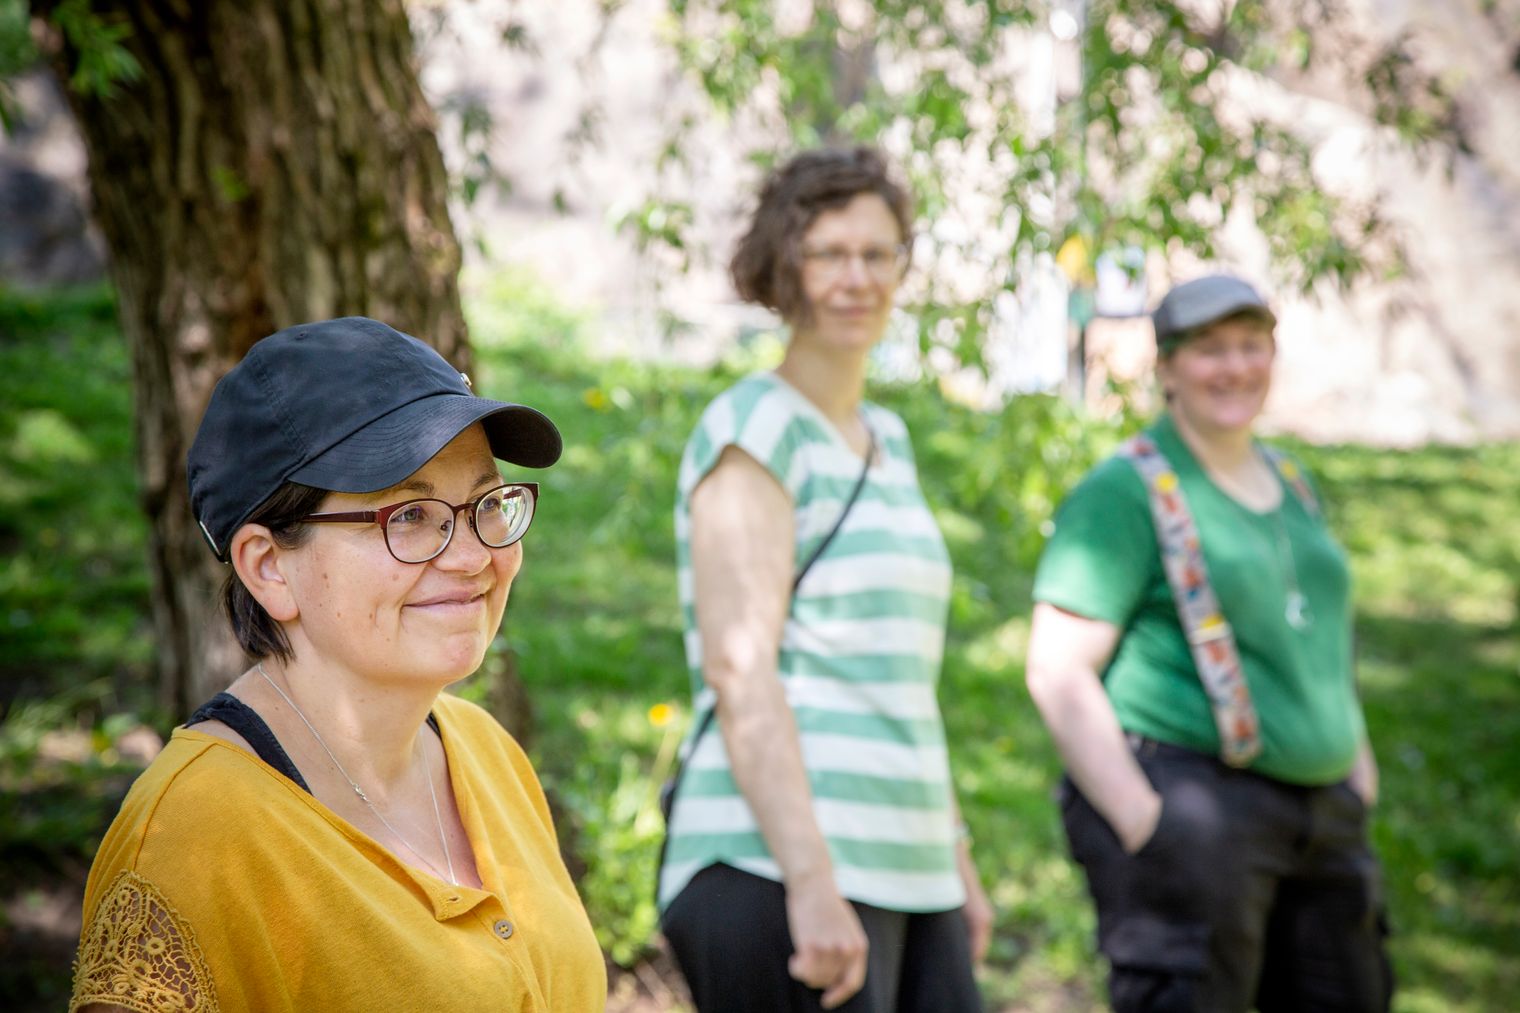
(729, 933)
(1251, 892)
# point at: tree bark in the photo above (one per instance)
(275, 163)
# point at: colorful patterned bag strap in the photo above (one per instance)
(1294, 476)
(1209, 636)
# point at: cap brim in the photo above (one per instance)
(400, 442)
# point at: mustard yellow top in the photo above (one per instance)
(223, 886)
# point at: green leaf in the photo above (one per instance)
(100, 60)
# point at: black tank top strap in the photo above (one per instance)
(244, 720)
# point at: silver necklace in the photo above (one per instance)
(1297, 610)
(427, 766)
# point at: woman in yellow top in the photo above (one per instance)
(334, 832)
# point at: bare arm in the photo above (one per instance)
(742, 559)
(1067, 653)
(1364, 774)
(978, 911)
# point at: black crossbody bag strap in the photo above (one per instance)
(668, 792)
(860, 483)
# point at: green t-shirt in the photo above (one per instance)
(1103, 562)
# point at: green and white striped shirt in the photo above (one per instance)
(859, 661)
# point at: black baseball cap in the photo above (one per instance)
(1202, 301)
(347, 405)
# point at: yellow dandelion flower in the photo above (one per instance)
(660, 714)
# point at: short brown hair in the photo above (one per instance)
(1167, 348)
(256, 630)
(766, 265)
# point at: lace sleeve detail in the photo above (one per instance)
(139, 954)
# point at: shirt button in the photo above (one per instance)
(503, 928)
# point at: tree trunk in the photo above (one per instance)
(275, 163)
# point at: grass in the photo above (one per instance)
(1437, 556)
(592, 631)
(73, 590)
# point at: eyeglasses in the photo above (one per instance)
(882, 263)
(420, 529)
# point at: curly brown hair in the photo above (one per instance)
(767, 266)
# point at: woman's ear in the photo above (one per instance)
(257, 558)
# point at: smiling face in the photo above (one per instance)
(850, 270)
(389, 621)
(1217, 381)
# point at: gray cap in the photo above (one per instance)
(1200, 302)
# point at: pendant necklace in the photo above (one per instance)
(427, 766)
(1297, 610)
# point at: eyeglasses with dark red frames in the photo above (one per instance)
(418, 530)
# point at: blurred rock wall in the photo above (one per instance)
(46, 237)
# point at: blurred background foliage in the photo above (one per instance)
(1154, 123)
(592, 631)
